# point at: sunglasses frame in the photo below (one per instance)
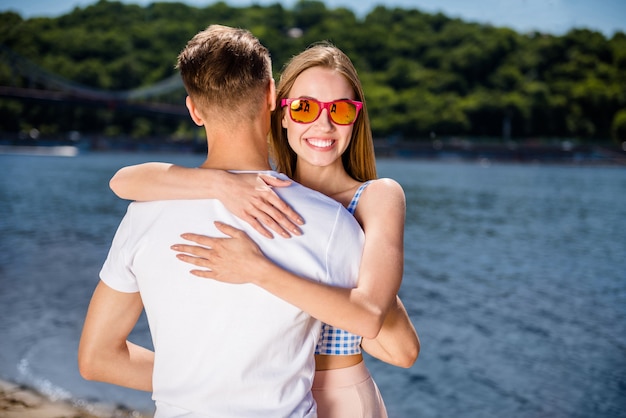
(323, 105)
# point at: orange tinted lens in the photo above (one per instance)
(342, 113)
(304, 111)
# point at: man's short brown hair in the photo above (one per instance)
(226, 72)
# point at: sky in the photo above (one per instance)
(549, 16)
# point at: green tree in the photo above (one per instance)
(618, 128)
(421, 72)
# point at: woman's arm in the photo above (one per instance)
(248, 196)
(361, 310)
(397, 342)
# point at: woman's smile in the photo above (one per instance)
(320, 143)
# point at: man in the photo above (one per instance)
(220, 350)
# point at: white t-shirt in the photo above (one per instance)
(224, 350)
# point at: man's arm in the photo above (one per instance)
(104, 354)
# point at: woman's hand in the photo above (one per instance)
(251, 198)
(233, 260)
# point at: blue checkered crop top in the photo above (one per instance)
(334, 341)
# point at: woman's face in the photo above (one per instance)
(322, 142)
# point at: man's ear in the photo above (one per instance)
(193, 112)
(272, 95)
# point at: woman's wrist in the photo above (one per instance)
(215, 183)
(265, 272)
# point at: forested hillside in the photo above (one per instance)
(423, 74)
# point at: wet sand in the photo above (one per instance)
(21, 402)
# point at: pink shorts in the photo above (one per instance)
(347, 393)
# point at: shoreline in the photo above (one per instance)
(19, 401)
(563, 151)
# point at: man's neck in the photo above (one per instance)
(237, 150)
(238, 163)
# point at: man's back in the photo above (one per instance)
(230, 350)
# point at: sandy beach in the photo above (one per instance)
(21, 402)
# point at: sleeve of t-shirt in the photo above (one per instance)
(116, 271)
(345, 250)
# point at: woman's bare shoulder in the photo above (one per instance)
(385, 188)
(383, 197)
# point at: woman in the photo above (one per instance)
(320, 137)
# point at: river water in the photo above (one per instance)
(515, 278)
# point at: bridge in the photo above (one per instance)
(49, 87)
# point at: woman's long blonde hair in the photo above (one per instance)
(358, 159)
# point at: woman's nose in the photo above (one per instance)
(324, 120)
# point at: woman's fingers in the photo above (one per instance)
(199, 239)
(277, 209)
(196, 261)
(280, 210)
(229, 230)
(193, 250)
(206, 274)
(264, 217)
(258, 226)
(252, 198)
(221, 258)
(274, 181)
